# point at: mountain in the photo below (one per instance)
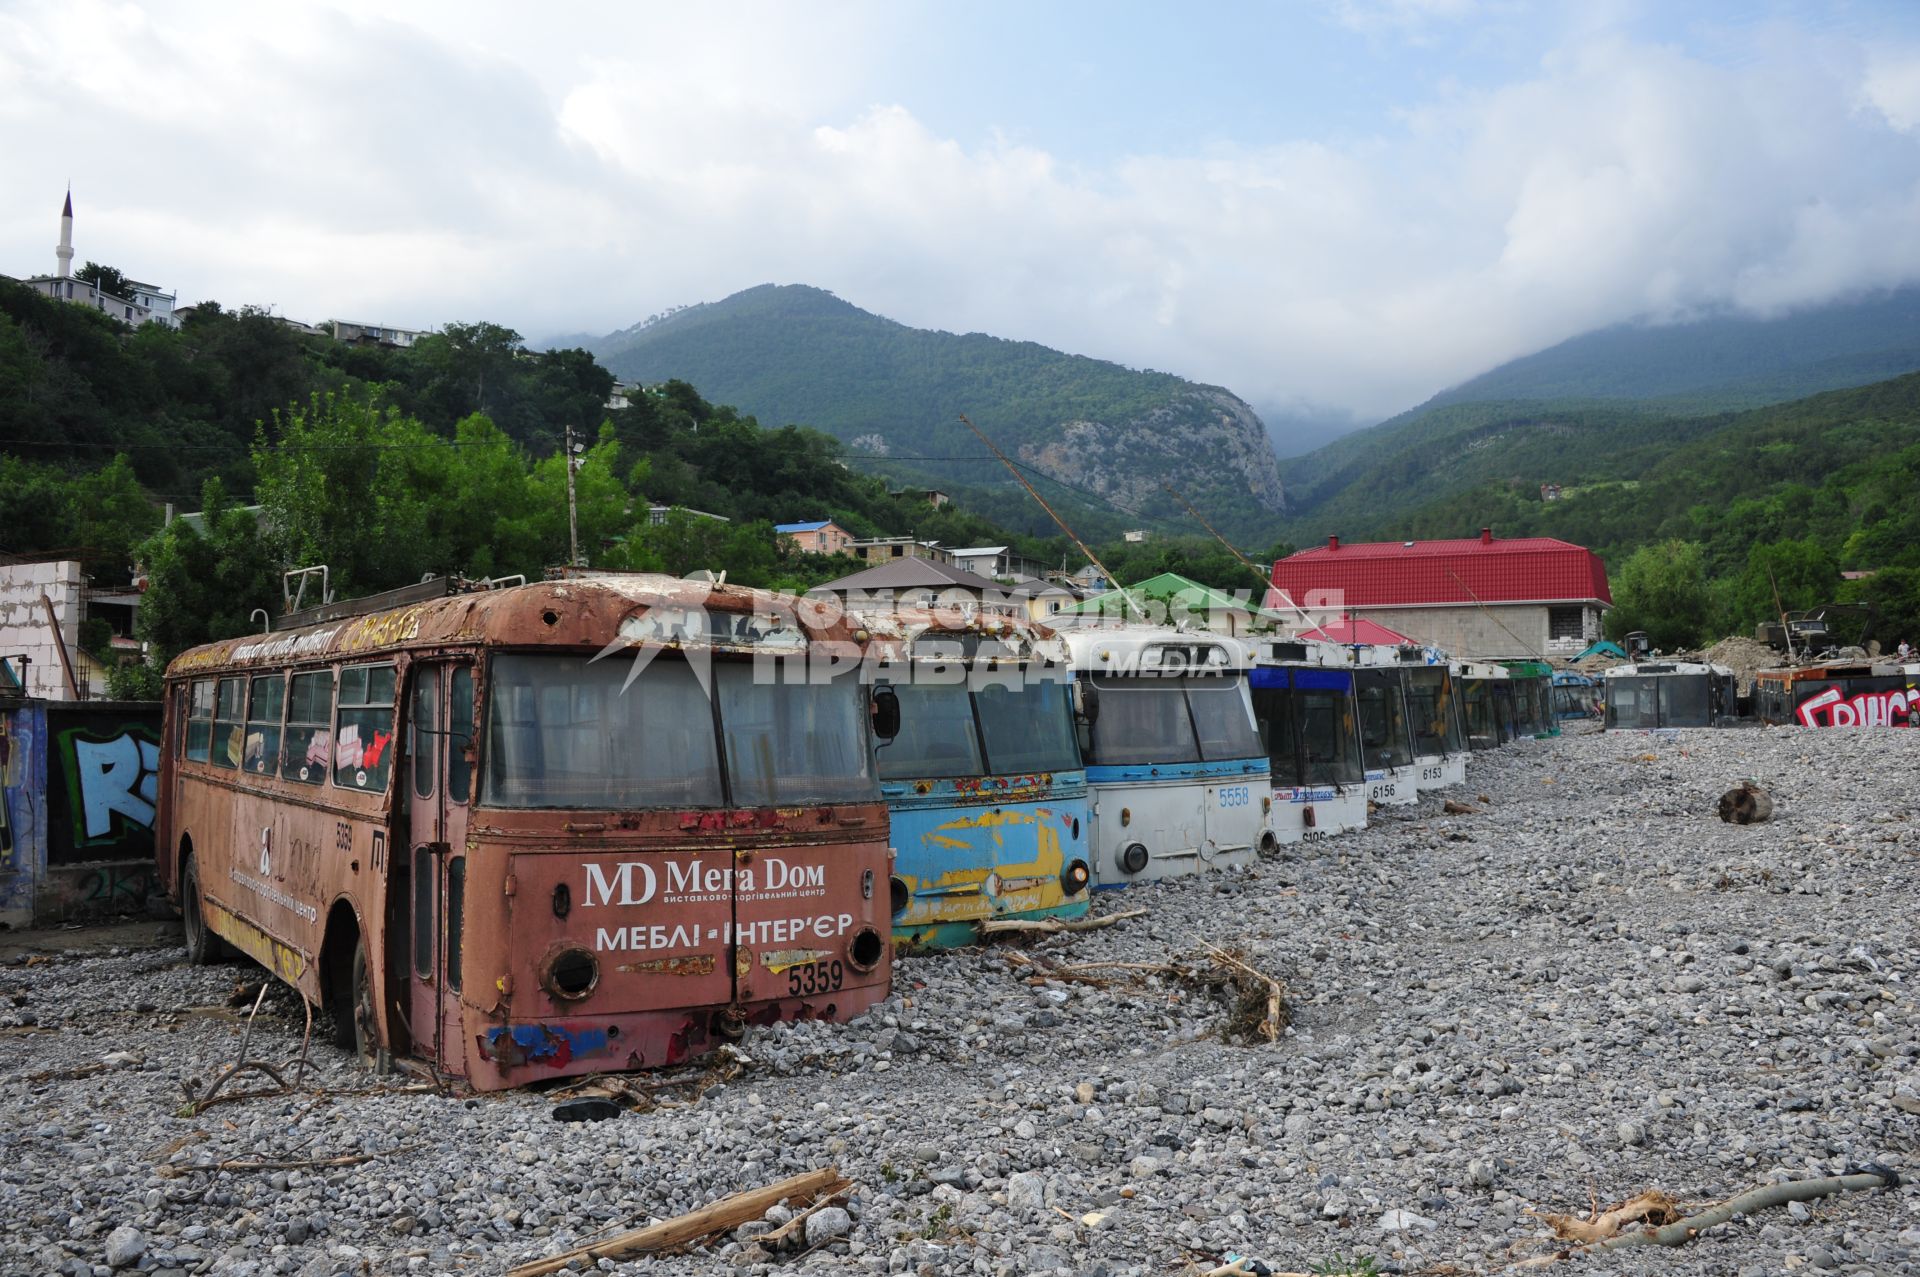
(1718, 362)
(894, 394)
(1546, 417)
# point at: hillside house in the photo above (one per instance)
(818, 536)
(997, 561)
(878, 550)
(1478, 597)
(923, 582)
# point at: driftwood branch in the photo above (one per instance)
(1050, 926)
(293, 1164)
(1679, 1232)
(728, 1212)
(775, 1239)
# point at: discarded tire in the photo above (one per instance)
(1746, 805)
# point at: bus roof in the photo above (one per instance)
(1654, 669)
(581, 612)
(1137, 647)
(1849, 669)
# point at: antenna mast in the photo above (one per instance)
(573, 515)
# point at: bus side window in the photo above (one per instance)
(309, 728)
(460, 739)
(199, 720)
(228, 722)
(363, 740)
(268, 697)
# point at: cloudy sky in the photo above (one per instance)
(1340, 204)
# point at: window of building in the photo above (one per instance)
(1567, 621)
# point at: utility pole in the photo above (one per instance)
(573, 514)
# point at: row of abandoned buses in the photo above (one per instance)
(1856, 694)
(607, 821)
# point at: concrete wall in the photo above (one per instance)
(24, 629)
(1497, 630)
(78, 786)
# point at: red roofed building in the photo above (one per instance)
(1475, 597)
(1357, 630)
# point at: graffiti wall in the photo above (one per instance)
(22, 831)
(78, 786)
(1847, 705)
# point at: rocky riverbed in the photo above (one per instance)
(1589, 987)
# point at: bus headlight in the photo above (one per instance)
(867, 949)
(1133, 857)
(570, 974)
(1075, 877)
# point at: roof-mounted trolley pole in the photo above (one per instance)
(1091, 557)
(1265, 575)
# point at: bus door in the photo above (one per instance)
(439, 780)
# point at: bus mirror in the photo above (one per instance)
(886, 713)
(1089, 704)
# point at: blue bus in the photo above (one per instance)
(1303, 701)
(985, 791)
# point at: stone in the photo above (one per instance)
(1026, 1193)
(125, 1245)
(826, 1224)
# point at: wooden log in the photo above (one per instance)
(728, 1212)
(1049, 926)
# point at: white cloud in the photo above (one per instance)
(581, 172)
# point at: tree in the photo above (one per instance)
(106, 279)
(1784, 576)
(1663, 590)
(205, 585)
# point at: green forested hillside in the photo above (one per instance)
(1602, 380)
(1790, 496)
(893, 394)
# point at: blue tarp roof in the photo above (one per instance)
(813, 526)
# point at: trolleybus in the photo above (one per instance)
(1486, 702)
(1670, 694)
(984, 783)
(1179, 777)
(1386, 733)
(1303, 702)
(535, 831)
(1858, 694)
(1532, 684)
(1434, 716)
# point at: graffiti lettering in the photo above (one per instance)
(117, 886)
(120, 775)
(1832, 708)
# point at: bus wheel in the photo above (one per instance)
(203, 947)
(364, 1032)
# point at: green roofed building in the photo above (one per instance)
(1169, 599)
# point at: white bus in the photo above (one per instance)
(1303, 701)
(1178, 773)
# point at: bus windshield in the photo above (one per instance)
(936, 737)
(566, 731)
(1436, 725)
(1154, 720)
(1028, 726)
(1142, 720)
(1383, 721)
(563, 733)
(1023, 728)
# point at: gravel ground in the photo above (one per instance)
(1591, 987)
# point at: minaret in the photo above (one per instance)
(65, 251)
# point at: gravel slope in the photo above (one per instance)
(1591, 986)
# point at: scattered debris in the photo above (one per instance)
(1260, 1012)
(1747, 804)
(1663, 1230)
(1454, 807)
(1050, 926)
(585, 1108)
(1652, 1208)
(716, 1217)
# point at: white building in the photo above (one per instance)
(42, 607)
(144, 303)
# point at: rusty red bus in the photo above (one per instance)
(536, 831)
